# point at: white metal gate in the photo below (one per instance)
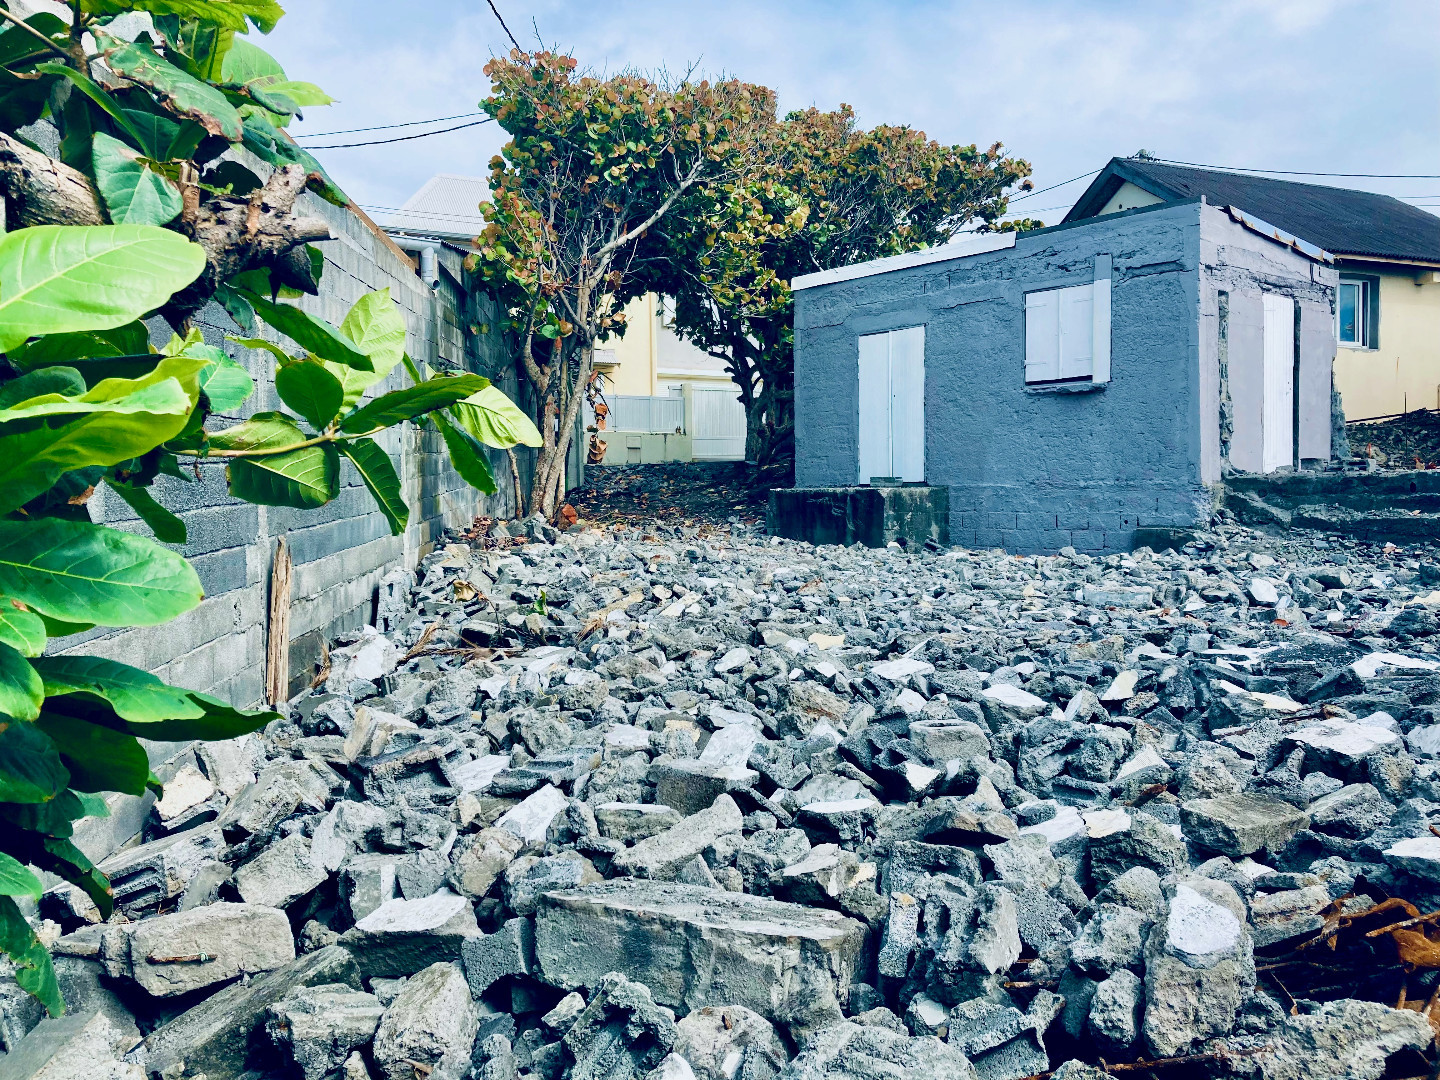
(1278, 423)
(717, 426)
(892, 405)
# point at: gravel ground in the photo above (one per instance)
(662, 801)
(1411, 441)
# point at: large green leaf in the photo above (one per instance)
(390, 409)
(79, 572)
(226, 384)
(134, 193)
(303, 94)
(179, 91)
(118, 419)
(265, 140)
(129, 340)
(198, 46)
(63, 858)
(164, 139)
(263, 431)
(128, 699)
(99, 758)
(23, 631)
(32, 963)
(59, 380)
(304, 478)
(310, 332)
(375, 324)
(17, 47)
(59, 278)
(231, 14)
(16, 879)
(466, 455)
(21, 691)
(308, 387)
(378, 472)
(30, 768)
(246, 62)
(494, 420)
(168, 528)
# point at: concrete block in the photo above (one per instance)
(174, 954)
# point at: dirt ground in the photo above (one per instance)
(1411, 441)
(682, 494)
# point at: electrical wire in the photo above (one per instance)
(400, 138)
(1052, 187)
(1301, 172)
(386, 127)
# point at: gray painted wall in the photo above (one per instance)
(341, 551)
(1031, 470)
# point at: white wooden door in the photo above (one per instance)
(892, 405)
(1278, 416)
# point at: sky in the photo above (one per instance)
(1348, 86)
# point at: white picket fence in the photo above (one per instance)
(716, 426)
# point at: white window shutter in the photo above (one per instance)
(1077, 331)
(874, 434)
(1100, 349)
(1042, 336)
(907, 403)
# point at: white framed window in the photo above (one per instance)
(1067, 331)
(1352, 313)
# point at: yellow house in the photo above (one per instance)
(1387, 319)
(652, 360)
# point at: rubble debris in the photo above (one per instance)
(662, 802)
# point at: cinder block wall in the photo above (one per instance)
(341, 551)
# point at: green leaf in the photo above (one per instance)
(17, 46)
(378, 472)
(21, 691)
(99, 758)
(264, 139)
(309, 388)
(23, 631)
(303, 94)
(23, 100)
(246, 62)
(375, 324)
(493, 419)
(168, 528)
(230, 14)
(59, 278)
(16, 879)
(226, 384)
(195, 45)
(64, 381)
(63, 858)
(164, 139)
(304, 478)
(79, 573)
(96, 93)
(134, 193)
(311, 333)
(30, 768)
(269, 346)
(130, 340)
(466, 455)
(237, 307)
(57, 628)
(399, 405)
(263, 431)
(32, 963)
(177, 90)
(114, 421)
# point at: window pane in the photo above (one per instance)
(1349, 304)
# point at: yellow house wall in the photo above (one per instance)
(1128, 198)
(1403, 373)
(634, 373)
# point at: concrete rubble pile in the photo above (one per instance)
(646, 805)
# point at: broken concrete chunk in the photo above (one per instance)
(791, 964)
(664, 853)
(403, 936)
(489, 958)
(317, 1027)
(80, 1046)
(848, 1051)
(531, 819)
(621, 1034)
(432, 1024)
(1238, 825)
(630, 822)
(479, 861)
(720, 1042)
(281, 874)
(174, 954)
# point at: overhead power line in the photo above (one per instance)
(386, 127)
(400, 138)
(1052, 187)
(1302, 172)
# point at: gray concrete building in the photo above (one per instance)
(1070, 386)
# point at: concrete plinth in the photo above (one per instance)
(873, 516)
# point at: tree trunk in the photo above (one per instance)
(39, 190)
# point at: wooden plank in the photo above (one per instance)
(277, 631)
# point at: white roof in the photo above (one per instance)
(446, 206)
(956, 249)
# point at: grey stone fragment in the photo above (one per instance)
(174, 954)
(1114, 938)
(631, 822)
(1001, 1042)
(1143, 842)
(527, 877)
(223, 1034)
(479, 861)
(663, 854)
(695, 947)
(1280, 916)
(621, 1035)
(1342, 1040)
(80, 1046)
(318, 1027)
(1115, 1009)
(280, 874)
(1239, 825)
(721, 1042)
(403, 936)
(849, 1051)
(431, 1023)
(490, 957)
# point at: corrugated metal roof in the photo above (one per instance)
(446, 206)
(1340, 220)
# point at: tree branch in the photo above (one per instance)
(39, 190)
